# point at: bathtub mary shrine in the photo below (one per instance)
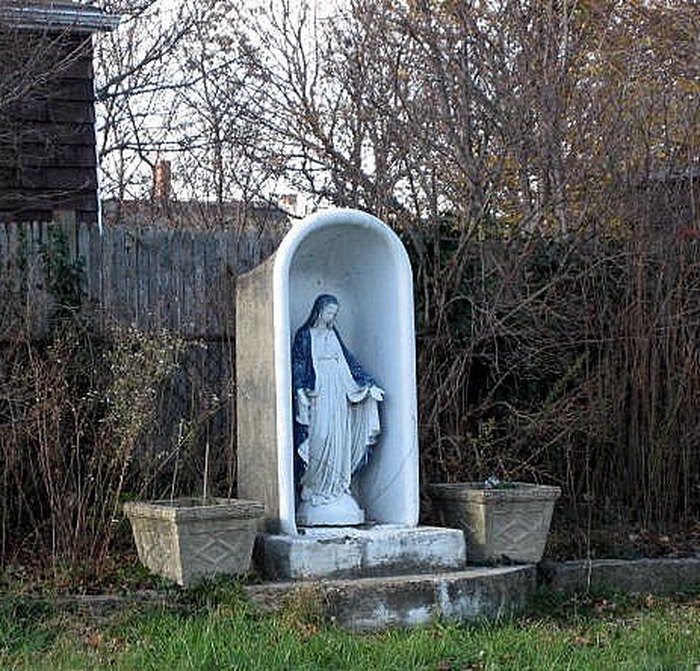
(326, 405)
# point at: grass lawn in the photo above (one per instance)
(215, 628)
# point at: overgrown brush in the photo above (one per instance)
(573, 361)
(74, 408)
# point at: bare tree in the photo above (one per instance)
(536, 124)
(137, 80)
(224, 144)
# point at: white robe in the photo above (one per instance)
(343, 421)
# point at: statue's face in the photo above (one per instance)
(328, 314)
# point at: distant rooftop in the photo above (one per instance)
(49, 14)
(189, 214)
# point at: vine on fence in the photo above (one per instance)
(64, 274)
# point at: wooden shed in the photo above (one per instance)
(48, 162)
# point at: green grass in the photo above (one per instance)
(214, 628)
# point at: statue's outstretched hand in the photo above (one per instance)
(376, 392)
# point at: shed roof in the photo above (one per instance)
(53, 14)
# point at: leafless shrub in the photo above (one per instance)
(73, 410)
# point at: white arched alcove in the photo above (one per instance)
(361, 261)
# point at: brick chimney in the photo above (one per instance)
(161, 181)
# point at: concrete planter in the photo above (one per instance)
(509, 523)
(187, 540)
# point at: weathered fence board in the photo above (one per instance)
(181, 280)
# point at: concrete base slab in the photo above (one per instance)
(642, 576)
(369, 604)
(342, 552)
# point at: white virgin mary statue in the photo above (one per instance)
(336, 419)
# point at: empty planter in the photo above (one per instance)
(508, 522)
(188, 539)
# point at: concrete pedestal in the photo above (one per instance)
(348, 552)
(370, 604)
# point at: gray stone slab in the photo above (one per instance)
(357, 551)
(368, 604)
(657, 576)
(256, 393)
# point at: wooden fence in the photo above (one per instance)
(182, 281)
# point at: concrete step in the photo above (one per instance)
(368, 604)
(349, 552)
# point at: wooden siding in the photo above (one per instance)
(181, 281)
(47, 137)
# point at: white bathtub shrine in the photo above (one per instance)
(357, 258)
